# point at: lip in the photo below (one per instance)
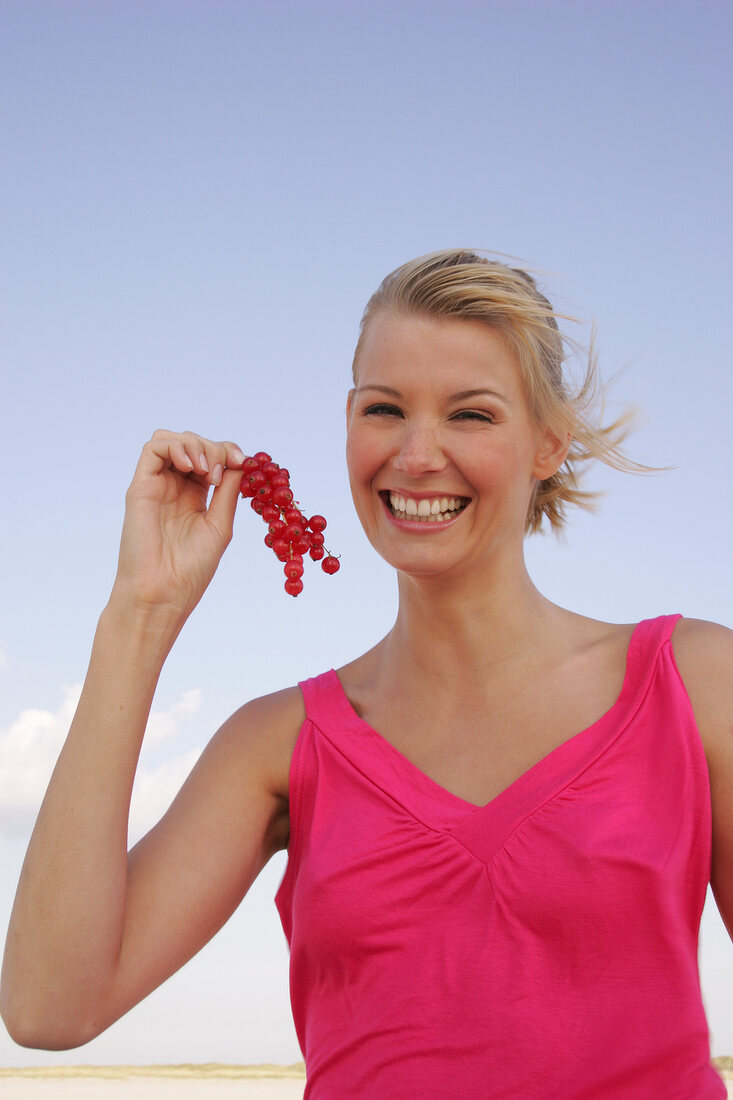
(416, 527)
(421, 495)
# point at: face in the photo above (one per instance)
(442, 452)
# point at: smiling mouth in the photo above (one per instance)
(436, 509)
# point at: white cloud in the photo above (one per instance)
(163, 725)
(30, 746)
(155, 789)
(28, 751)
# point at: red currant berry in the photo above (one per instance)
(281, 496)
(256, 479)
(293, 570)
(270, 513)
(293, 532)
(290, 534)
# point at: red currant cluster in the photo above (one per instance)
(290, 535)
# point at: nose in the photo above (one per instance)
(420, 451)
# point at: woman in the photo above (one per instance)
(498, 893)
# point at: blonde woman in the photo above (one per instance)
(500, 821)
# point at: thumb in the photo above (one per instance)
(223, 505)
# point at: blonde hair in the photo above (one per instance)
(466, 286)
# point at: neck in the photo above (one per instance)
(457, 630)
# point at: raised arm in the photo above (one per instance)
(93, 930)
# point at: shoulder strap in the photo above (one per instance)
(649, 639)
(320, 696)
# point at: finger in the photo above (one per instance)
(170, 449)
(190, 453)
(211, 458)
(223, 456)
(223, 504)
(199, 452)
(179, 457)
(234, 455)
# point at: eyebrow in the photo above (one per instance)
(464, 395)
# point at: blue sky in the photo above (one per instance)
(197, 200)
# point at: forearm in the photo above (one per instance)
(66, 928)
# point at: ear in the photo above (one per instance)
(552, 450)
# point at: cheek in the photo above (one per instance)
(355, 466)
(351, 457)
(362, 459)
(495, 466)
(360, 475)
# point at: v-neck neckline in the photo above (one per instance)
(439, 808)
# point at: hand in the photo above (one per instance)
(172, 539)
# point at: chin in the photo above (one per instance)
(416, 565)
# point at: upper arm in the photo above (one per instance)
(704, 655)
(189, 873)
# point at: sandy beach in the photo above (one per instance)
(148, 1088)
(166, 1083)
(154, 1083)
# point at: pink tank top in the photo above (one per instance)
(542, 946)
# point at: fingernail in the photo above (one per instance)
(216, 475)
(238, 456)
(203, 463)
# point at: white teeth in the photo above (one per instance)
(425, 510)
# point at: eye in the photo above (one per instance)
(382, 409)
(474, 414)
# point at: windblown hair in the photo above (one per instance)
(466, 286)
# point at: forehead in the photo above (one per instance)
(412, 349)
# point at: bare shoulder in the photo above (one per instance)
(236, 797)
(699, 634)
(262, 734)
(704, 655)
